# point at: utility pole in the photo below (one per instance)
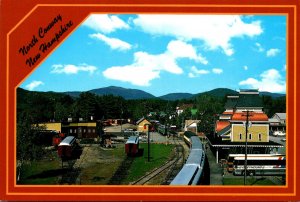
(246, 146)
(145, 126)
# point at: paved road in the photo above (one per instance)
(279, 141)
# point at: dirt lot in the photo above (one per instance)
(98, 164)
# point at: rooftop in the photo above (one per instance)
(280, 115)
(253, 117)
(249, 100)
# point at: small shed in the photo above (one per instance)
(141, 123)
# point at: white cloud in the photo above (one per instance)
(180, 49)
(191, 75)
(113, 43)
(196, 72)
(105, 23)
(137, 75)
(259, 47)
(72, 69)
(245, 67)
(215, 30)
(34, 84)
(147, 67)
(271, 81)
(217, 70)
(272, 52)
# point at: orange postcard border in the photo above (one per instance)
(156, 194)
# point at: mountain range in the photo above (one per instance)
(128, 94)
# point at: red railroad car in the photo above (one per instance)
(66, 147)
(132, 146)
(57, 139)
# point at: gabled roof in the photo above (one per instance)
(281, 116)
(224, 131)
(249, 100)
(190, 122)
(221, 125)
(142, 119)
(253, 117)
(274, 120)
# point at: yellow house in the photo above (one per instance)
(142, 125)
(256, 133)
(51, 126)
(258, 127)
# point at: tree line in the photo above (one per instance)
(40, 107)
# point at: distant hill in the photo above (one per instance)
(130, 94)
(176, 96)
(73, 93)
(126, 93)
(219, 92)
(273, 95)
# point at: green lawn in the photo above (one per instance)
(249, 181)
(159, 154)
(99, 169)
(45, 171)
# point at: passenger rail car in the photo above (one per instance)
(192, 172)
(66, 147)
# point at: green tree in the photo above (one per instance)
(85, 106)
(28, 147)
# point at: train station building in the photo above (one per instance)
(242, 112)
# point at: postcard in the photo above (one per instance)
(149, 101)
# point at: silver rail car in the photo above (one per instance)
(192, 171)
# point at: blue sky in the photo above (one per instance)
(163, 54)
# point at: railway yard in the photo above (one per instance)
(98, 165)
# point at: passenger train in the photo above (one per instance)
(193, 171)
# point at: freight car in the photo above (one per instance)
(132, 146)
(66, 148)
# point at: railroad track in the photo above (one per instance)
(73, 170)
(168, 165)
(180, 159)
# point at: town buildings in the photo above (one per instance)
(242, 112)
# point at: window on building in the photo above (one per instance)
(74, 130)
(89, 130)
(259, 137)
(71, 131)
(84, 130)
(93, 130)
(250, 136)
(240, 136)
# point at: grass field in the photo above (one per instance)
(159, 154)
(98, 167)
(249, 181)
(45, 171)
